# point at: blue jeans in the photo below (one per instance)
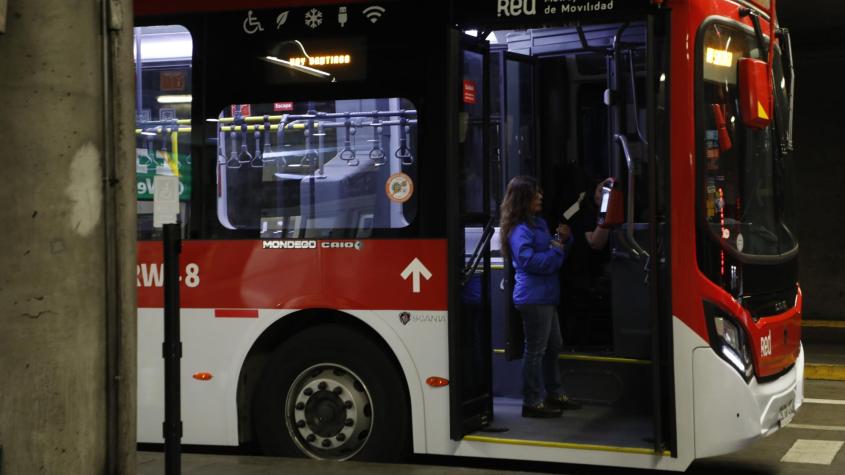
(542, 347)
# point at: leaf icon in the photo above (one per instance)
(281, 19)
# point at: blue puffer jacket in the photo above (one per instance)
(536, 263)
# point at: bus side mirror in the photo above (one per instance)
(755, 93)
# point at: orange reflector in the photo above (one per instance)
(437, 381)
(203, 376)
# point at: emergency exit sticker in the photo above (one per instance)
(282, 106)
(244, 110)
(469, 92)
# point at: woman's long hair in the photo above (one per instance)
(516, 208)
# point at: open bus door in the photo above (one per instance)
(471, 228)
(514, 86)
(593, 99)
(640, 282)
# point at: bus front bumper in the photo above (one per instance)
(730, 413)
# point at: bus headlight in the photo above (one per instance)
(728, 339)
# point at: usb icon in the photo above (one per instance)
(341, 16)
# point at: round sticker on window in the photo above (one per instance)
(740, 242)
(399, 187)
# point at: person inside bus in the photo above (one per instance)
(537, 259)
(586, 279)
(590, 250)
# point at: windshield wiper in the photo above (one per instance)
(758, 30)
(786, 52)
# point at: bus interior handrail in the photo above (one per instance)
(635, 246)
(486, 235)
(311, 124)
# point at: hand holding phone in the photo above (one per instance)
(562, 233)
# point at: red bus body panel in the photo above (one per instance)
(234, 276)
(689, 285)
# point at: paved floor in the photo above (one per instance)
(151, 463)
(812, 444)
(823, 342)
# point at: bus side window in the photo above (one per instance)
(163, 119)
(330, 169)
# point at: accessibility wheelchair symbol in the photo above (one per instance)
(251, 24)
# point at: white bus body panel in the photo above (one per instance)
(730, 413)
(719, 393)
(209, 345)
(219, 346)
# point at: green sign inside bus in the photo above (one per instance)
(146, 169)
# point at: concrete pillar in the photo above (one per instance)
(67, 293)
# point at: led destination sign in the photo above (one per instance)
(329, 60)
(719, 57)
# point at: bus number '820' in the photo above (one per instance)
(152, 275)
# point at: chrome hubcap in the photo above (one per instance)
(328, 412)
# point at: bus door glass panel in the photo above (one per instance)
(471, 132)
(519, 128)
(519, 138)
(496, 96)
(163, 77)
(497, 154)
(327, 169)
(630, 248)
(474, 404)
(512, 126)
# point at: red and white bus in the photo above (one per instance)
(341, 165)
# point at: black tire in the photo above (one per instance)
(291, 403)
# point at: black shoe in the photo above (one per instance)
(540, 410)
(562, 402)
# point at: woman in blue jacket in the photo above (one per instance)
(536, 259)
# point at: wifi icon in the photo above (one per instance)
(374, 13)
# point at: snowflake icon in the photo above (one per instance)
(313, 18)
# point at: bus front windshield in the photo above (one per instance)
(745, 175)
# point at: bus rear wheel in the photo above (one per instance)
(330, 393)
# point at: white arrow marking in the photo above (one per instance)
(416, 268)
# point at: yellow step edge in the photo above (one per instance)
(827, 372)
(823, 324)
(602, 359)
(565, 445)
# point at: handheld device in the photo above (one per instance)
(610, 208)
(605, 197)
